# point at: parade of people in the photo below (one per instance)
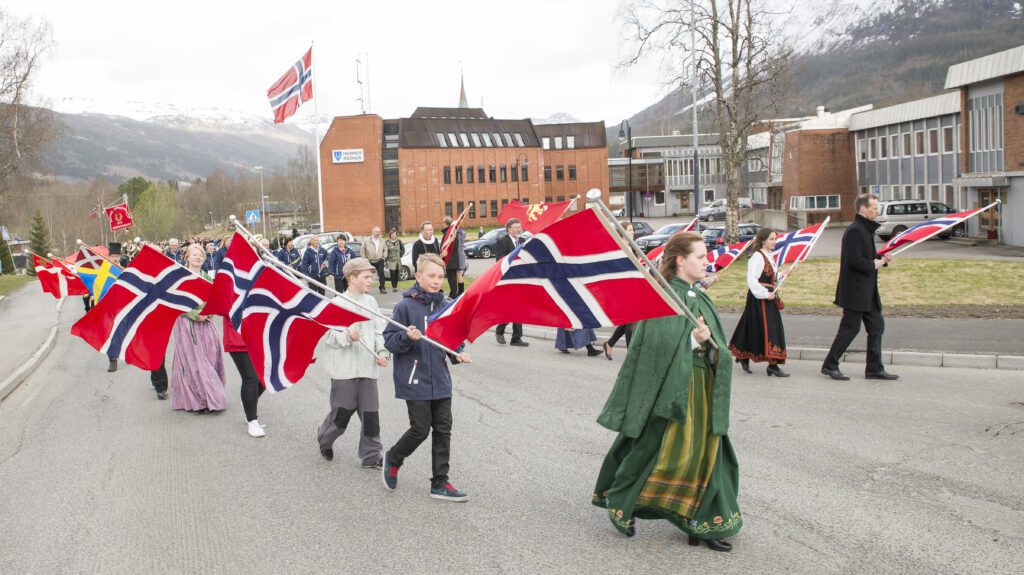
(736, 237)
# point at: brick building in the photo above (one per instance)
(401, 172)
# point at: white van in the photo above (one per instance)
(896, 216)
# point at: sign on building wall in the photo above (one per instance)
(347, 156)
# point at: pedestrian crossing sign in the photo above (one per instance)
(252, 216)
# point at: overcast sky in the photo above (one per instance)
(522, 59)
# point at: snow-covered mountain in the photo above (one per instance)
(558, 118)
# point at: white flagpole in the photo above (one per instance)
(316, 147)
(900, 249)
(806, 253)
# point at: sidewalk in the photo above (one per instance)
(28, 322)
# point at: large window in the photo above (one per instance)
(497, 139)
(947, 139)
(572, 173)
(933, 141)
(465, 139)
(469, 174)
(447, 174)
(492, 173)
(525, 174)
(545, 143)
(494, 208)
(919, 143)
(871, 149)
(558, 142)
(458, 174)
(452, 140)
(814, 203)
(487, 139)
(440, 140)
(560, 173)
(547, 173)
(883, 147)
(480, 174)
(472, 209)
(515, 173)
(908, 150)
(570, 142)
(894, 146)
(508, 139)
(519, 140)
(504, 173)
(476, 139)
(862, 149)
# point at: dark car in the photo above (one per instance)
(640, 229)
(660, 236)
(484, 247)
(715, 237)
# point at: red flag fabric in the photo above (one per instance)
(450, 235)
(282, 322)
(119, 216)
(134, 319)
(656, 252)
(796, 245)
(925, 230)
(535, 217)
(292, 89)
(57, 280)
(577, 273)
(235, 276)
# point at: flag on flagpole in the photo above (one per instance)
(55, 279)
(722, 257)
(794, 246)
(927, 229)
(134, 320)
(292, 89)
(450, 235)
(119, 216)
(577, 273)
(534, 217)
(95, 271)
(235, 275)
(656, 252)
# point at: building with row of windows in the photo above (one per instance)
(398, 173)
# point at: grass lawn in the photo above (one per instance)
(914, 287)
(11, 283)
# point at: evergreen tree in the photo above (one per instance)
(39, 239)
(6, 259)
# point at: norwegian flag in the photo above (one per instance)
(925, 230)
(450, 235)
(795, 246)
(282, 322)
(57, 280)
(237, 272)
(576, 273)
(721, 258)
(134, 320)
(656, 252)
(292, 89)
(534, 217)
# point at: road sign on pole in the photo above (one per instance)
(252, 216)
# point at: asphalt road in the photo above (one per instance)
(919, 476)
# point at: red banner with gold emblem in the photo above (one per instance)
(534, 217)
(120, 217)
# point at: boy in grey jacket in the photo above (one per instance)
(422, 379)
(352, 359)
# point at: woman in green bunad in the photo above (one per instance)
(670, 405)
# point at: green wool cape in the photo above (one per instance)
(655, 377)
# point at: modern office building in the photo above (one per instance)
(397, 173)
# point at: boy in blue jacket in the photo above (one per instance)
(422, 379)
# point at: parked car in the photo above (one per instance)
(659, 237)
(404, 265)
(641, 229)
(896, 216)
(327, 239)
(716, 209)
(484, 247)
(715, 237)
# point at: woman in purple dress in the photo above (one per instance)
(197, 373)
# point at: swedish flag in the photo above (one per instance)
(99, 280)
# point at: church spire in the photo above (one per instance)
(463, 102)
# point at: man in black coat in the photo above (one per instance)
(857, 292)
(502, 248)
(425, 244)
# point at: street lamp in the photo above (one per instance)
(263, 202)
(519, 174)
(626, 135)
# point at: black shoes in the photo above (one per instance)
(327, 453)
(834, 374)
(881, 375)
(113, 365)
(593, 351)
(518, 343)
(390, 473)
(500, 337)
(745, 364)
(713, 544)
(776, 371)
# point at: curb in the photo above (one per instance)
(26, 369)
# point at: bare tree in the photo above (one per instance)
(740, 58)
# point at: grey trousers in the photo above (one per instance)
(348, 397)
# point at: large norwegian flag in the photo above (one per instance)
(292, 89)
(57, 280)
(235, 276)
(576, 273)
(534, 217)
(720, 258)
(656, 252)
(134, 320)
(925, 230)
(282, 322)
(795, 246)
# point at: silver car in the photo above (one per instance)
(896, 216)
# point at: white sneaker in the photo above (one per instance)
(256, 430)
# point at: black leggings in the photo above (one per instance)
(394, 277)
(621, 330)
(251, 388)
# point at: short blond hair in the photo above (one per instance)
(429, 258)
